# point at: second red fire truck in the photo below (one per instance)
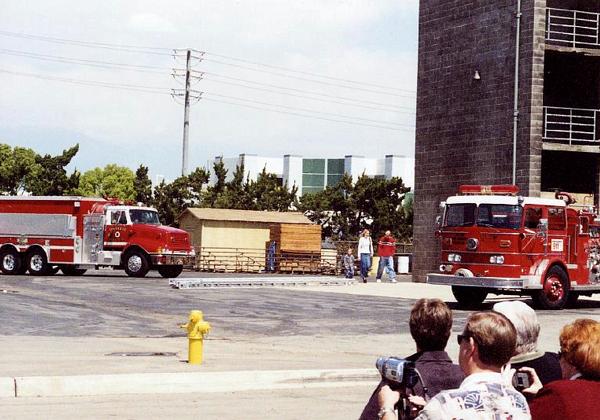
(42, 235)
(495, 241)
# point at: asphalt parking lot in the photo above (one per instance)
(58, 325)
(114, 305)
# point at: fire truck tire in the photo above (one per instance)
(10, 262)
(37, 263)
(555, 291)
(136, 264)
(170, 271)
(69, 270)
(469, 297)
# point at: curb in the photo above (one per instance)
(178, 383)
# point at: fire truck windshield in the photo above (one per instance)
(145, 217)
(489, 215)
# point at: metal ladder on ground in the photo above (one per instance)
(197, 283)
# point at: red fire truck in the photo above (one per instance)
(45, 234)
(495, 241)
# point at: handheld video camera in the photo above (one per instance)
(399, 372)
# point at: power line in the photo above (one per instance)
(307, 116)
(310, 80)
(102, 45)
(83, 62)
(124, 86)
(163, 91)
(304, 109)
(305, 91)
(356, 104)
(156, 51)
(144, 69)
(306, 72)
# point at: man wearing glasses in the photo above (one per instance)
(486, 344)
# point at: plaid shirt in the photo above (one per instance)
(481, 396)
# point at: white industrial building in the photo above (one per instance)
(314, 174)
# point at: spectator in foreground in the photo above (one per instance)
(577, 396)
(486, 344)
(386, 248)
(365, 253)
(526, 354)
(430, 325)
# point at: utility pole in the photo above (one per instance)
(189, 96)
(186, 115)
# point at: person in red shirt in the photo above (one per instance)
(386, 248)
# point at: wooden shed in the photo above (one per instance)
(237, 240)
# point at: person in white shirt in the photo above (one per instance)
(365, 253)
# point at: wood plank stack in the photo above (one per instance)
(296, 238)
(298, 247)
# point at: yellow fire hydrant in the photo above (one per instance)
(196, 328)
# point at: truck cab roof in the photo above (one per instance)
(503, 199)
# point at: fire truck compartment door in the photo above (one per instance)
(27, 224)
(93, 238)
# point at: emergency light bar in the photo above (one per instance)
(488, 190)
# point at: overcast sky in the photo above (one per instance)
(48, 104)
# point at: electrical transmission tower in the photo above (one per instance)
(188, 95)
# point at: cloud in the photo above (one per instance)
(151, 22)
(364, 40)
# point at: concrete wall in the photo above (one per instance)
(464, 126)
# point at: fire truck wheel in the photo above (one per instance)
(37, 263)
(10, 261)
(555, 291)
(170, 271)
(469, 297)
(69, 270)
(136, 264)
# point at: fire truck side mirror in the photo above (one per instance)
(438, 222)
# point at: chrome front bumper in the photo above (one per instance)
(501, 283)
(173, 259)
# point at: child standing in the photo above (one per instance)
(348, 262)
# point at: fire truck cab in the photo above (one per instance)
(42, 235)
(495, 241)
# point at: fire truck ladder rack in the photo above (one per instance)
(258, 282)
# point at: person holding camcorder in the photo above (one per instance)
(425, 373)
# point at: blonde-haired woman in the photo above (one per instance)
(365, 253)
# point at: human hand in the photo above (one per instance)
(417, 401)
(536, 384)
(387, 397)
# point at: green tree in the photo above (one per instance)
(49, 177)
(196, 182)
(113, 181)
(142, 185)
(15, 165)
(268, 193)
(186, 191)
(171, 199)
(345, 209)
(211, 197)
